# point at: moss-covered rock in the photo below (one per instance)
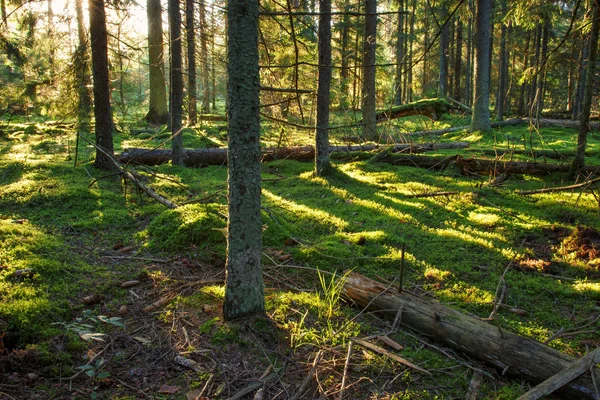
(198, 225)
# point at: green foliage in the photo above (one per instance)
(197, 225)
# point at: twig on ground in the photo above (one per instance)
(308, 377)
(392, 356)
(346, 369)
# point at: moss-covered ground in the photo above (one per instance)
(78, 247)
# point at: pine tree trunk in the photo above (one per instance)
(458, 59)
(533, 90)
(400, 54)
(345, 58)
(523, 87)
(584, 128)
(244, 291)
(322, 163)
(409, 78)
(503, 73)
(204, 55)
(579, 94)
(176, 83)
(369, 129)
(102, 111)
(190, 32)
(539, 106)
(444, 41)
(81, 63)
(158, 111)
(213, 92)
(425, 74)
(481, 111)
(469, 64)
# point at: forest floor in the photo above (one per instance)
(105, 293)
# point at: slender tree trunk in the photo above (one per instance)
(400, 54)
(158, 110)
(3, 11)
(82, 78)
(102, 112)
(204, 55)
(539, 105)
(458, 59)
(369, 129)
(213, 92)
(584, 127)
(322, 163)
(345, 58)
(503, 72)
(481, 109)
(178, 153)
(571, 78)
(190, 32)
(533, 90)
(244, 289)
(444, 41)
(425, 74)
(411, 39)
(356, 72)
(469, 64)
(579, 94)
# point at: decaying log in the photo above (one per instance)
(495, 124)
(481, 166)
(584, 185)
(218, 156)
(564, 123)
(557, 381)
(430, 108)
(508, 352)
(433, 162)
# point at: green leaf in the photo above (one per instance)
(103, 375)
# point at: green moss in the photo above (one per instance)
(197, 225)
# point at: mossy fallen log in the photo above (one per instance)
(510, 353)
(218, 156)
(430, 108)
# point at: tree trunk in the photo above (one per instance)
(503, 72)
(579, 94)
(190, 32)
(444, 42)
(533, 90)
(469, 64)
(244, 289)
(204, 55)
(458, 59)
(213, 92)
(507, 352)
(176, 83)
(584, 128)
(400, 54)
(158, 111)
(539, 105)
(411, 39)
(522, 92)
(369, 129)
(481, 110)
(81, 63)
(102, 111)
(345, 58)
(322, 163)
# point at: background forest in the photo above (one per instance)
(447, 149)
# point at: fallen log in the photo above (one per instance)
(508, 352)
(430, 108)
(482, 166)
(218, 156)
(495, 124)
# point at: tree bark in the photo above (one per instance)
(400, 55)
(322, 163)
(458, 59)
(176, 83)
(102, 111)
(579, 160)
(523, 87)
(481, 111)
(158, 110)
(244, 288)
(503, 72)
(204, 54)
(81, 63)
(469, 64)
(190, 32)
(444, 44)
(345, 58)
(411, 39)
(369, 129)
(579, 93)
(516, 355)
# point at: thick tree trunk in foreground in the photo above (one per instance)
(369, 129)
(176, 83)
(218, 156)
(102, 112)
(584, 128)
(516, 355)
(244, 288)
(322, 164)
(481, 103)
(158, 111)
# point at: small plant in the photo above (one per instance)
(94, 369)
(332, 291)
(84, 329)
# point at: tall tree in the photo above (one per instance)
(444, 48)
(322, 163)
(204, 55)
(503, 72)
(369, 129)
(81, 63)
(400, 54)
(190, 33)
(102, 112)
(158, 110)
(584, 127)
(481, 103)
(244, 289)
(458, 59)
(178, 153)
(345, 54)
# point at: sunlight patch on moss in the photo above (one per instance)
(485, 219)
(303, 211)
(590, 288)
